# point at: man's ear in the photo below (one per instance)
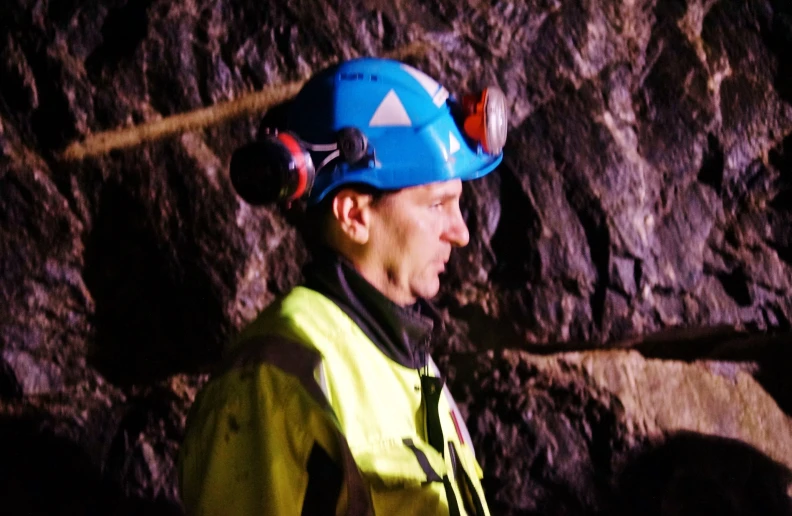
(352, 210)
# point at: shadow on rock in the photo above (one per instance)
(42, 473)
(159, 306)
(774, 375)
(693, 474)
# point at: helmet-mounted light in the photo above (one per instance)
(375, 122)
(485, 119)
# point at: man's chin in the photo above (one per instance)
(427, 291)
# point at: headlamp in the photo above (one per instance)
(485, 119)
(373, 122)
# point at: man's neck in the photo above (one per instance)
(397, 330)
(371, 268)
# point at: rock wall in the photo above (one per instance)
(644, 203)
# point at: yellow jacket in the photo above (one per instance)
(310, 417)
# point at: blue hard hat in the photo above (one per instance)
(404, 115)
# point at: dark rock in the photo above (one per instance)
(10, 388)
(613, 433)
(646, 188)
(691, 474)
(548, 442)
(44, 304)
(33, 376)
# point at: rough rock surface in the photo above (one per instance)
(706, 397)
(584, 433)
(646, 188)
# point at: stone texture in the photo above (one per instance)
(632, 155)
(706, 397)
(586, 432)
(549, 443)
(646, 188)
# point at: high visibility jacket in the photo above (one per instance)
(306, 388)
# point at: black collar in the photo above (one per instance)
(401, 333)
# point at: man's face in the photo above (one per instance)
(412, 234)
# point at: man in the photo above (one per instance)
(328, 402)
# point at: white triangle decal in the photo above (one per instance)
(390, 112)
(438, 93)
(429, 84)
(453, 143)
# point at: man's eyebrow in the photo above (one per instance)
(447, 195)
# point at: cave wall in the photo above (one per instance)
(643, 202)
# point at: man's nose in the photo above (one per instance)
(457, 232)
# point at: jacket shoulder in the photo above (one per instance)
(303, 316)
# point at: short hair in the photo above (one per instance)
(311, 221)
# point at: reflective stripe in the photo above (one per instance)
(461, 427)
(432, 389)
(470, 497)
(431, 474)
(456, 426)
